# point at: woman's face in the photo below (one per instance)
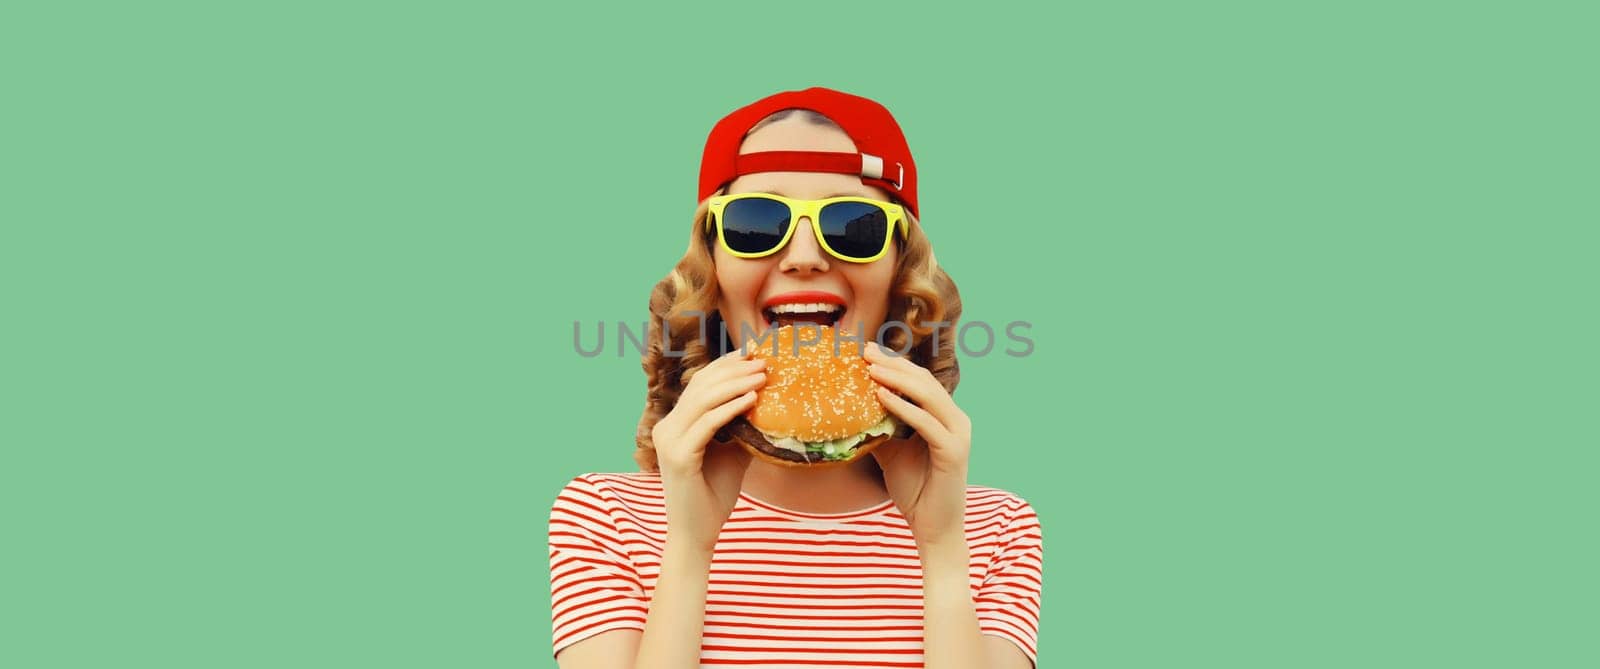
(749, 286)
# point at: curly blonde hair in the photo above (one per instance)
(921, 292)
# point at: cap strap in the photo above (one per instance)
(862, 164)
(797, 161)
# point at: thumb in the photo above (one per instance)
(885, 452)
(725, 463)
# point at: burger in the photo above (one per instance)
(819, 406)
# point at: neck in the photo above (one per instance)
(858, 485)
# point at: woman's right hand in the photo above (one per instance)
(702, 479)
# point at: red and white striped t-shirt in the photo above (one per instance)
(787, 589)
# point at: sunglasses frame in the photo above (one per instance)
(811, 209)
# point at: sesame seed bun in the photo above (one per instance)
(812, 394)
(816, 395)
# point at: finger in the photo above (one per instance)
(923, 389)
(700, 432)
(730, 359)
(906, 364)
(708, 395)
(715, 373)
(875, 352)
(883, 357)
(741, 353)
(918, 418)
(727, 365)
(891, 357)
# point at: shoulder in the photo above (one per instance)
(998, 505)
(602, 492)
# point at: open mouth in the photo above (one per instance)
(820, 313)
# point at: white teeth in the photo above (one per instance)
(799, 308)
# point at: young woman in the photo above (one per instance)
(709, 557)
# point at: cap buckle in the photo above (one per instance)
(872, 168)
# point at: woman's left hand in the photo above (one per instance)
(926, 474)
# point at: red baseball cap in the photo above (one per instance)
(881, 158)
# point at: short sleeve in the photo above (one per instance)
(1008, 599)
(594, 586)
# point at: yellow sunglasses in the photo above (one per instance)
(853, 229)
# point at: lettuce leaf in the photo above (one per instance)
(836, 449)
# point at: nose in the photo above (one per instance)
(803, 254)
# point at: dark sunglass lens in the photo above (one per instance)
(753, 225)
(855, 229)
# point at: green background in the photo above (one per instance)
(288, 294)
